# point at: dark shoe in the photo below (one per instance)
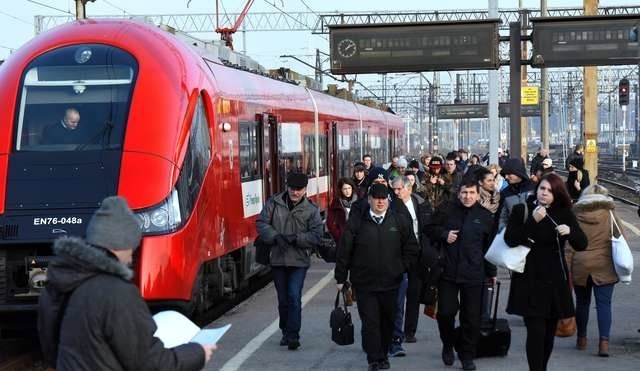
(374, 366)
(396, 350)
(384, 365)
(468, 364)
(603, 348)
(293, 344)
(447, 355)
(410, 338)
(284, 341)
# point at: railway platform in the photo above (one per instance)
(252, 341)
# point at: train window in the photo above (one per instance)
(309, 155)
(75, 98)
(289, 142)
(196, 161)
(249, 157)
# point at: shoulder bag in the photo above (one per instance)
(621, 254)
(502, 255)
(263, 249)
(340, 322)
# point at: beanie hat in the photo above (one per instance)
(414, 164)
(377, 173)
(515, 166)
(577, 162)
(547, 162)
(297, 180)
(402, 162)
(359, 166)
(114, 226)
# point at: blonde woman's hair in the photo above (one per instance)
(494, 166)
(595, 189)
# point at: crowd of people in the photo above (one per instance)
(455, 206)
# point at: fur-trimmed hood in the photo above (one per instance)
(77, 261)
(593, 208)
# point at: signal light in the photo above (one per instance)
(623, 92)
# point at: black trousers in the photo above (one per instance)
(412, 306)
(469, 305)
(377, 312)
(541, 333)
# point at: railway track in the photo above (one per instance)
(622, 192)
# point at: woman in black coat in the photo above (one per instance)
(541, 294)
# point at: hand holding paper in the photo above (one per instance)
(175, 329)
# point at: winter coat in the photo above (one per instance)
(436, 193)
(542, 290)
(536, 163)
(490, 200)
(423, 213)
(361, 186)
(303, 220)
(582, 176)
(375, 256)
(593, 214)
(337, 217)
(106, 324)
(463, 261)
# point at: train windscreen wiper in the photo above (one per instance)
(100, 135)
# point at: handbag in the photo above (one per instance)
(327, 249)
(621, 254)
(502, 255)
(340, 322)
(566, 327)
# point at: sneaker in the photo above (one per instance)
(374, 366)
(468, 364)
(293, 344)
(384, 365)
(284, 341)
(397, 350)
(447, 355)
(410, 338)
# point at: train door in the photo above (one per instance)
(392, 145)
(268, 147)
(332, 157)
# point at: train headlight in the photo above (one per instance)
(162, 218)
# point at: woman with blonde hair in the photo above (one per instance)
(592, 269)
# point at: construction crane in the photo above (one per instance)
(226, 33)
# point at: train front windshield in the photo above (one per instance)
(75, 98)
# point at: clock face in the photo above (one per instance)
(347, 48)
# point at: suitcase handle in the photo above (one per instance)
(496, 294)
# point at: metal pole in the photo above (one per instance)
(494, 120)
(544, 90)
(515, 137)
(624, 138)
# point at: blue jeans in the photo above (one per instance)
(603, 296)
(398, 332)
(289, 282)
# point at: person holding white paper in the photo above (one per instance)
(91, 316)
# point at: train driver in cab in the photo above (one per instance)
(66, 131)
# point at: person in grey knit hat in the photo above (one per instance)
(91, 316)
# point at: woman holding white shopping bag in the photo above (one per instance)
(541, 293)
(592, 269)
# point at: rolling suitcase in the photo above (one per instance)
(495, 334)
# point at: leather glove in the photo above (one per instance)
(290, 238)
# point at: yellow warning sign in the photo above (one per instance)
(591, 146)
(529, 95)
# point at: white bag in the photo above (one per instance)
(500, 254)
(621, 254)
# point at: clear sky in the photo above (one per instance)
(17, 17)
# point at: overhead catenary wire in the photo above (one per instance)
(292, 17)
(115, 6)
(16, 18)
(51, 7)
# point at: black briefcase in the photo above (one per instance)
(495, 333)
(340, 322)
(327, 249)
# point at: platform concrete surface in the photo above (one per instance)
(252, 341)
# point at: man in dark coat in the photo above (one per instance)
(66, 131)
(292, 224)
(377, 248)
(418, 211)
(103, 323)
(465, 230)
(578, 152)
(536, 162)
(519, 189)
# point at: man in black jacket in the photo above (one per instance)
(91, 316)
(377, 248)
(465, 230)
(418, 210)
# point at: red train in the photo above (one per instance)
(195, 146)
